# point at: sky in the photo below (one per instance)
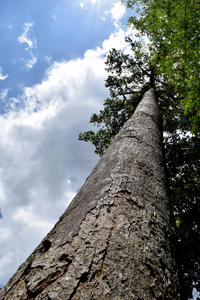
(52, 78)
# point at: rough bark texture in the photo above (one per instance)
(116, 239)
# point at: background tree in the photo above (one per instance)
(171, 65)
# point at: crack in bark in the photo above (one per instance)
(116, 213)
(83, 278)
(46, 282)
(87, 276)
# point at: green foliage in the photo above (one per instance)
(183, 173)
(127, 84)
(173, 30)
(171, 65)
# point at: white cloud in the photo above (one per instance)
(30, 45)
(4, 233)
(30, 218)
(117, 12)
(116, 40)
(3, 94)
(54, 17)
(5, 261)
(24, 39)
(2, 77)
(42, 162)
(31, 62)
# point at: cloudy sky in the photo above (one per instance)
(52, 75)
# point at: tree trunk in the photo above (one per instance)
(115, 241)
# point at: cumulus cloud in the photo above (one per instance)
(116, 40)
(2, 77)
(117, 12)
(30, 44)
(42, 162)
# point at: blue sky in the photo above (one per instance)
(35, 33)
(52, 78)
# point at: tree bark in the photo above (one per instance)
(116, 239)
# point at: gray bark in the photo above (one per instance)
(116, 238)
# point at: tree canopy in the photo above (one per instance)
(173, 30)
(170, 63)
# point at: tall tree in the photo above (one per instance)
(172, 28)
(116, 239)
(171, 64)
